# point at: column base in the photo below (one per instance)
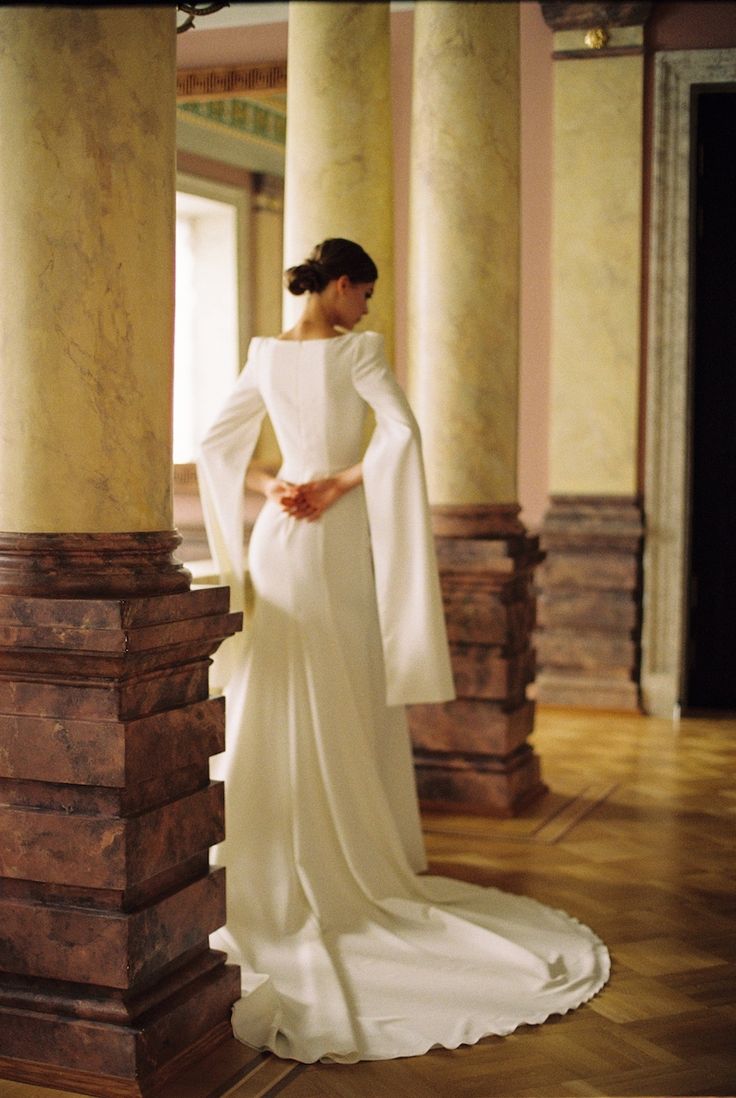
(107, 982)
(500, 787)
(576, 691)
(471, 754)
(590, 603)
(82, 1052)
(79, 565)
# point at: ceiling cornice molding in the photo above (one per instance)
(562, 15)
(250, 81)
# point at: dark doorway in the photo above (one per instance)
(711, 641)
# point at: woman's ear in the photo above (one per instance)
(343, 283)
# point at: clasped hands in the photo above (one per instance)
(306, 501)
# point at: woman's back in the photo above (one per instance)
(316, 412)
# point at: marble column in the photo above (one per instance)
(338, 141)
(590, 601)
(86, 308)
(107, 982)
(472, 754)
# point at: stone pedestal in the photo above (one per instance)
(590, 585)
(107, 982)
(472, 754)
(590, 603)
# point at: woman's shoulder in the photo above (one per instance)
(257, 342)
(354, 338)
(368, 351)
(260, 350)
(363, 345)
(254, 346)
(351, 348)
(370, 338)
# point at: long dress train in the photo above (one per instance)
(346, 953)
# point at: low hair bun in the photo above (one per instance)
(307, 277)
(329, 260)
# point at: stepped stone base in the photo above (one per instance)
(472, 754)
(107, 982)
(590, 592)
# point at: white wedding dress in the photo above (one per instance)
(346, 953)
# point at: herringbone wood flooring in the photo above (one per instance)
(635, 838)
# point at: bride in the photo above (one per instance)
(346, 952)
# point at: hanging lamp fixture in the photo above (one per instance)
(193, 10)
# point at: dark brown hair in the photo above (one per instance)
(329, 260)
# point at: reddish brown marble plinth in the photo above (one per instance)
(590, 595)
(89, 565)
(472, 754)
(107, 982)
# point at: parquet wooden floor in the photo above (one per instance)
(636, 838)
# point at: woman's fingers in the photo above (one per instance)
(297, 504)
(309, 500)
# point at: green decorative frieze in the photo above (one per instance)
(243, 115)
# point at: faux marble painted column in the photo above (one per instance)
(464, 248)
(107, 982)
(596, 266)
(463, 364)
(338, 141)
(86, 268)
(590, 604)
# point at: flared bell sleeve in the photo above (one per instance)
(223, 459)
(412, 623)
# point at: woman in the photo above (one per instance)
(346, 953)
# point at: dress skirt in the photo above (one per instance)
(348, 951)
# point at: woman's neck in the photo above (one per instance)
(314, 323)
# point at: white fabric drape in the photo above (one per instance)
(345, 952)
(408, 596)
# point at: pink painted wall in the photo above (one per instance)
(200, 48)
(692, 26)
(536, 246)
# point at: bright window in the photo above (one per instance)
(208, 336)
